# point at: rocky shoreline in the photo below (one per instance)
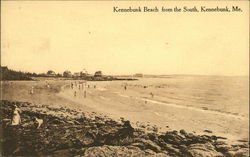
(67, 132)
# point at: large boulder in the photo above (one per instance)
(203, 150)
(121, 151)
(173, 138)
(243, 152)
(147, 144)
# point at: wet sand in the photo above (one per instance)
(116, 102)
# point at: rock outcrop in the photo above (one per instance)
(66, 132)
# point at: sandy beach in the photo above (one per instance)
(117, 118)
(137, 105)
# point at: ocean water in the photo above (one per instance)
(225, 94)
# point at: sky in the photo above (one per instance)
(71, 35)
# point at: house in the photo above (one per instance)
(83, 73)
(51, 73)
(77, 74)
(67, 74)
(98, 74)
(138, 75)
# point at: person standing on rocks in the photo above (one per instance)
(39, 122)
(16, 119)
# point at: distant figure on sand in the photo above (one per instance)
(32, 90)
(75, 93)
(16, 119)
(125, 87)
(85, 94)
(152, 95)
(72, 85)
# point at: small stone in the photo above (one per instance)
(208, 131)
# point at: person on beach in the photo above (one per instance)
(32, 90)
(75, 93)
(152, 95)
(125, 87)
(85, 94)
(16, 119)
(72, 85)
(39, 122)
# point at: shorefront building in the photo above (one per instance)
(83, 73)
(67, 73)
(51, 73)
(98, 74)
(77, 74)
(138, 75)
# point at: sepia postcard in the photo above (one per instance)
(124, 78)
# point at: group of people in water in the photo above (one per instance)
(83, 86)
(80, 86)
(151, 93)
(31, 90)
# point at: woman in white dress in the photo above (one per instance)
(16, 119)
